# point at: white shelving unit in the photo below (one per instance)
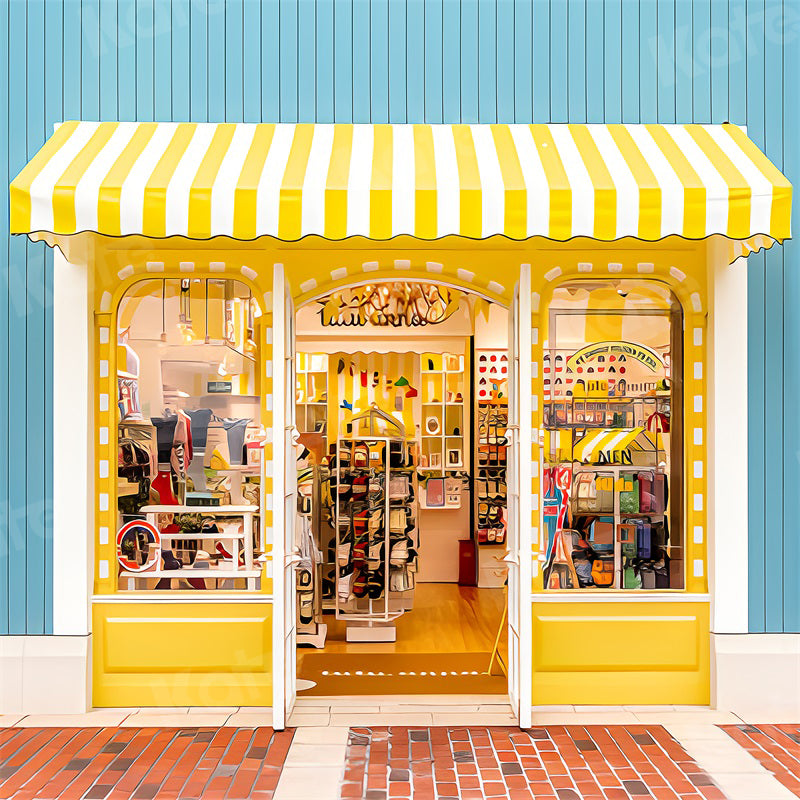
(248, 570)
(443, 413)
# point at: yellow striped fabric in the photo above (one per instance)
(608, 440)
(289, 181)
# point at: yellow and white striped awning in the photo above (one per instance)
(610, 441)
(379, 181)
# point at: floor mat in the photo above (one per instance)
(399, 673)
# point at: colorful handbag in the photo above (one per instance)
(629, 494)
(603, 571)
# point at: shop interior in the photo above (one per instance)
(402, 410)
(401, 402)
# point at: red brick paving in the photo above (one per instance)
(562, 763)
(777, 747)
(141, 764)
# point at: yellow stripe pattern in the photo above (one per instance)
(601, 182)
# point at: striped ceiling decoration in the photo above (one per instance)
(379, 181)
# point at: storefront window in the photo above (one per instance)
(613, 400)
(190, 438)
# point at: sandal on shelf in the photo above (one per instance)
(360, 584)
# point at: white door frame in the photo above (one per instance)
(520, 674)
(284, 631)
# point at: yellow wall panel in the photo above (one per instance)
(182, 654)
(620, 653)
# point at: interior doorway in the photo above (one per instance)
(403, 485)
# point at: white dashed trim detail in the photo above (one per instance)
(103, 368)
(370, 266)
(677, 274)
(105, 301)
(103, 468)
(125, 272)
(698, 436)
(552, 274)
(697, 303)
(697, 337)
(186, 266)
(614, 266)
(698, 403)
(402, 263)
(465, 275)
(339, 273)
(103, 335)
(154, 266)
(103, 534)
(697, 534)
(307, 286)
(249, 273)
(585, 266)
(104, 435)
(496, 287)
(434, 266)
(645, 267)
(217, 266)
(104, 402)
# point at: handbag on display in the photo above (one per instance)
(629, 494)
(603, 571)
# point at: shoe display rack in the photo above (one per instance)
(375, 522)
(491, 458)
(230, 529)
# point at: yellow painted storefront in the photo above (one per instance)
(587, 646)
(642, 652)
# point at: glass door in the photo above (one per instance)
(284, 501)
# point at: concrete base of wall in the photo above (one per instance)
(757, 675)
(45, 674)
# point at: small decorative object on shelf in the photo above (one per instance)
(138, 546)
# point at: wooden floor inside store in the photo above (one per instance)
(444, 646)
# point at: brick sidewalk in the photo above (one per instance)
(567, 763)
(395, 763)
(776, 747)
(141, 763)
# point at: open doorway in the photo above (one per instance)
(402, 393)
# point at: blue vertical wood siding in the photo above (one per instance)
(381, 61)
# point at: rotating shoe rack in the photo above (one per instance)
(370, 616)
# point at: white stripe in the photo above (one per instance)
(268, 194)
(403, 171)
(223, 191)
(716, 188)
(313, 200)
(131, 201)
(668, 180)
(44, 183)
(358, 181)
(177, 197)
(624, 181)
(493, 195)
(536, 187)
(448, 197)
(579, 181)
(88, 187)
(761, 188)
